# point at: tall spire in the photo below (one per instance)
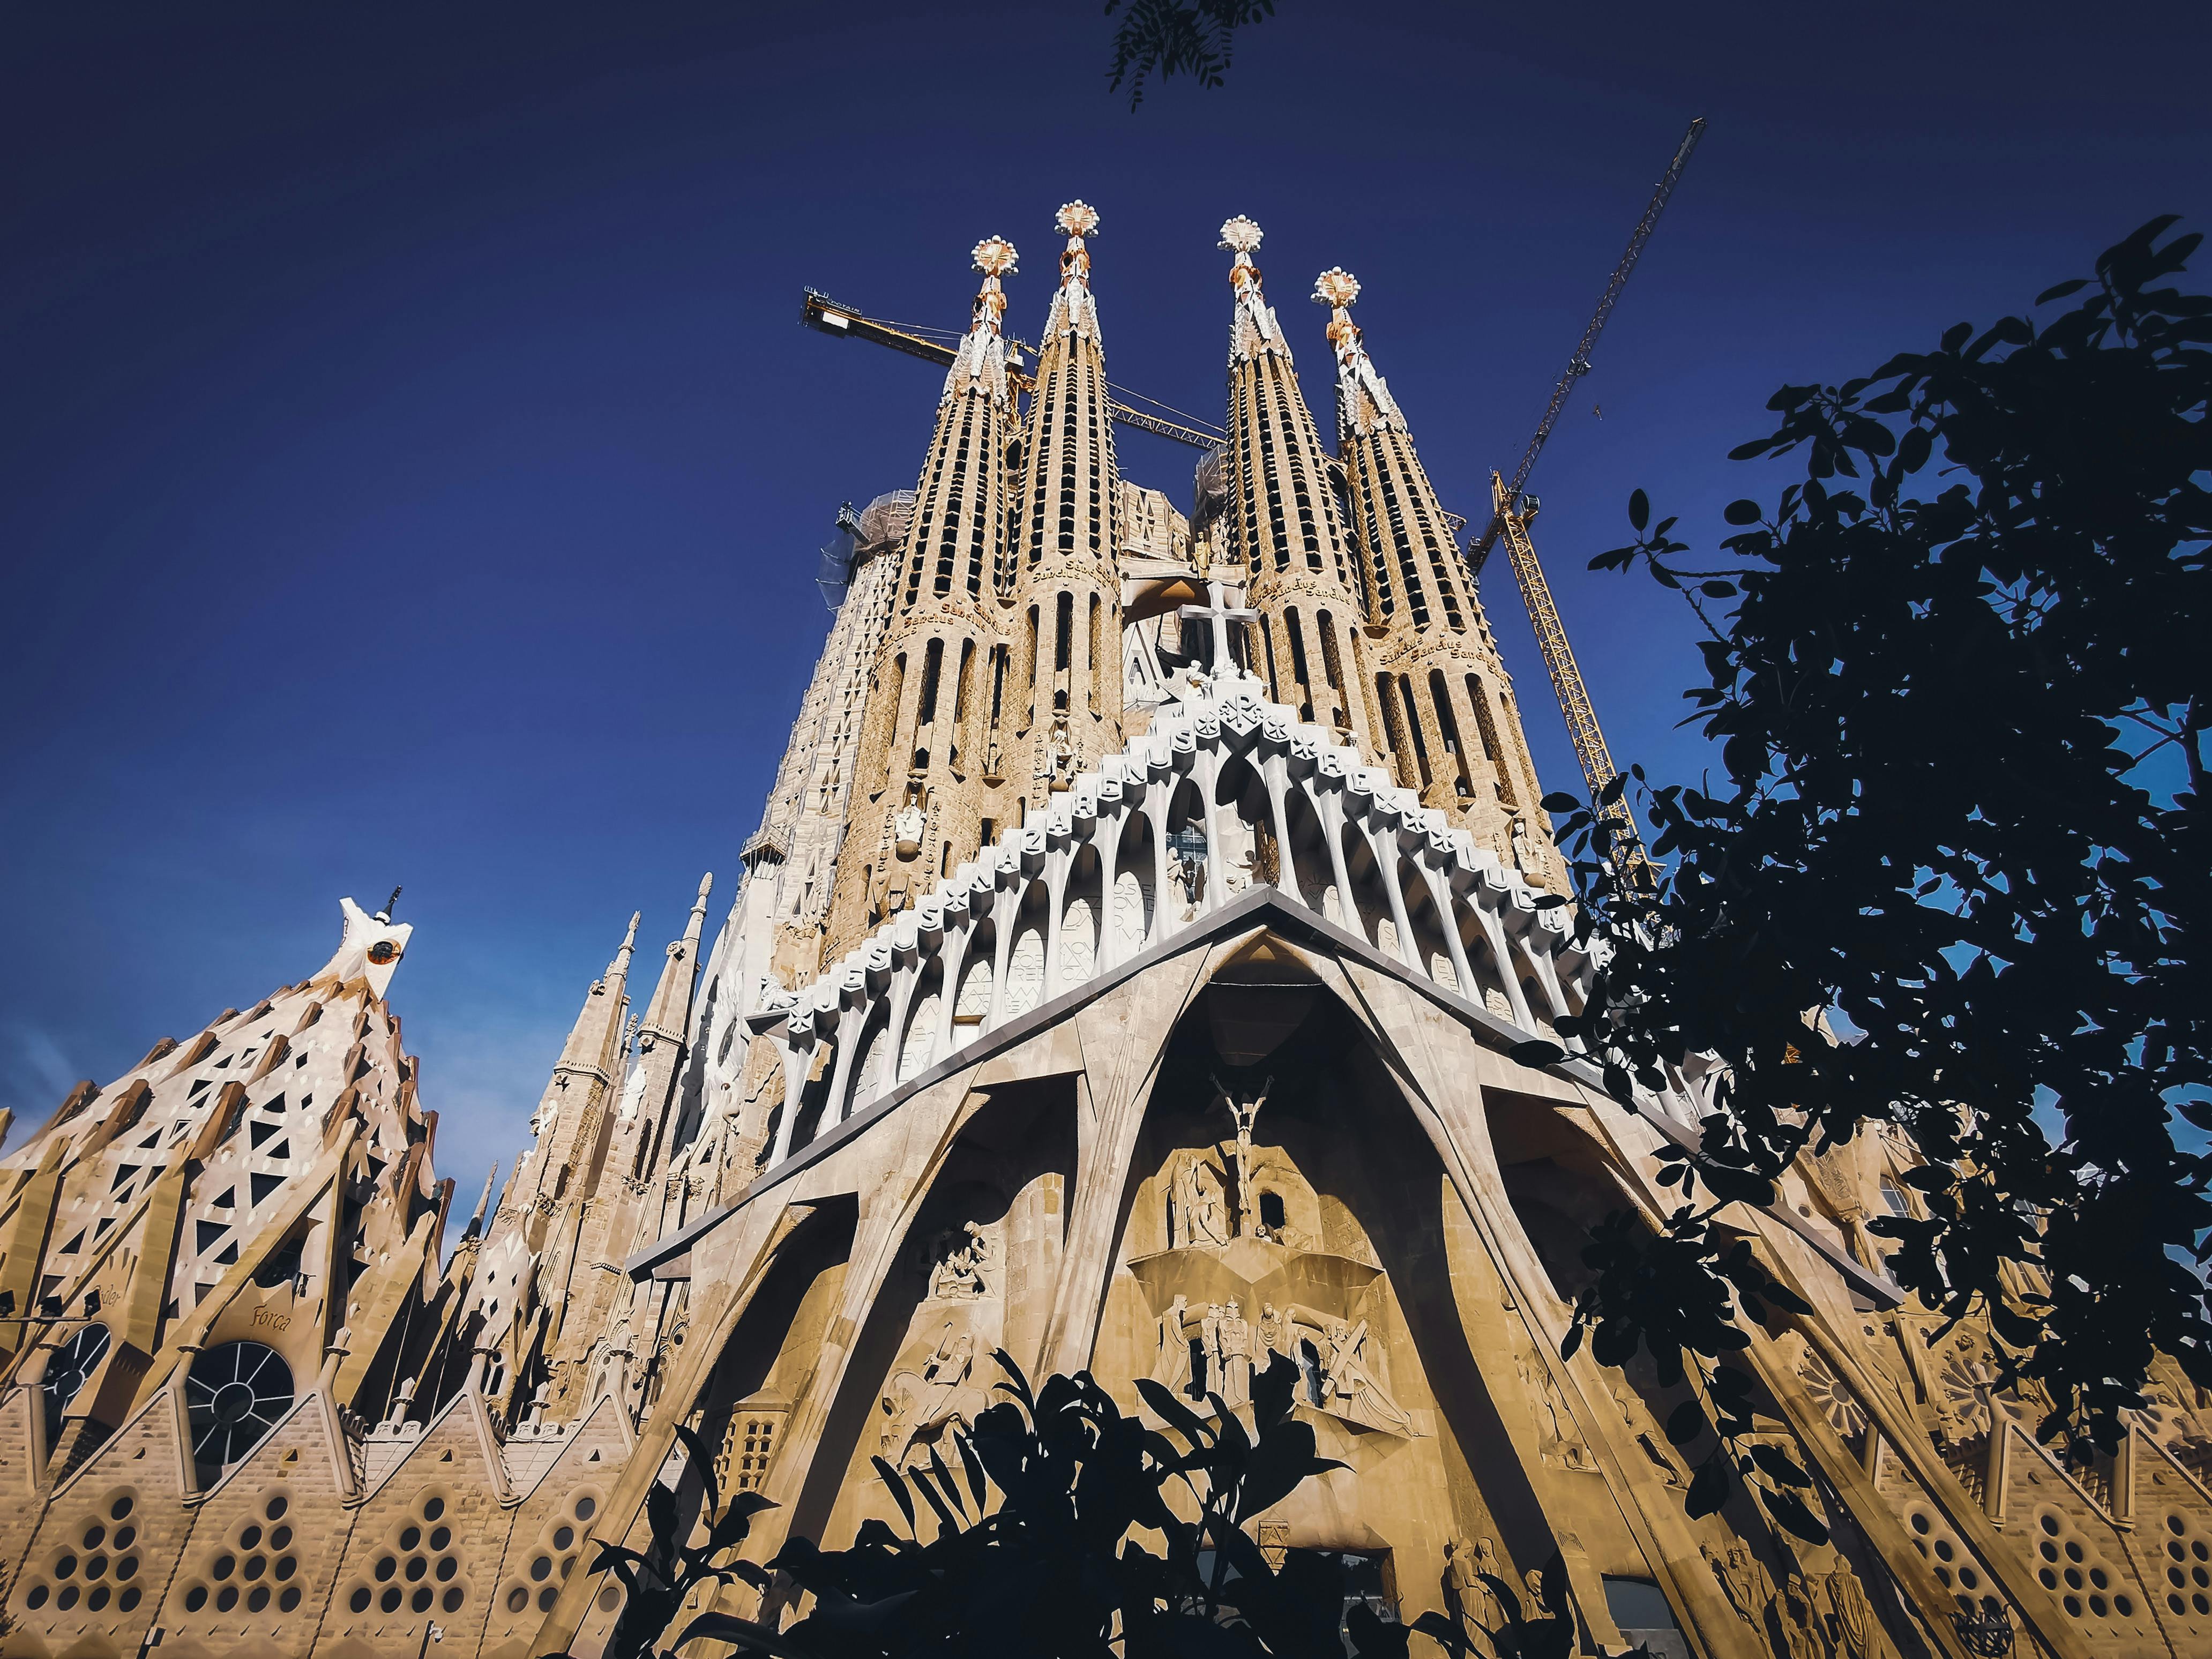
(928, 744)
(1067, 577)
(1284, 519)
(1453, 732)
(668, 1016)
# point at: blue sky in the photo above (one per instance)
(410, 465)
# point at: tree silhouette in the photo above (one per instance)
(1958, 676)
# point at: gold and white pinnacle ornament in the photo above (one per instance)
(1077, 218)
(1241, 235)
(995, 255)
(1335, 286)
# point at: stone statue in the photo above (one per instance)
(1474, 1601)
(1271, 1334)
(1206, 1222)
(962, 1258)
(1244, 1114)
(1858, 1635)
(1349, 1379)
(921, 1407)
(1233, 1356)
(1195, 1211)
(1209, 1344)
(1744, 1580)
(1171, 1365)
(1802, 1628)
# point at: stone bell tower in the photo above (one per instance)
(1445, 700)
(929, 745)
(1283, 522)
(1066, 578)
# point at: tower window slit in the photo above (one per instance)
(932, 662)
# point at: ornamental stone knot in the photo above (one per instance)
(995, 255)
(1077, 218)
(1335, 286)
(1240, 235)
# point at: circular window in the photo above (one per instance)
(258, 1599)
(195, 1598)
(129, 1599)
(94, 1534)
(564, 1536)
(360, 1600)
(547, 1597)
(542, 1567)
(587, 1507)
(287, 1565)
(66, 1564)
(276, 1508)
(235, 1394)
(279, 1537)
(433, 1509)
(452, 1600)
(125, 1536)
(517, 1599)
(37, 1598)
(441, 1537)
(390, 1600)
(98, 1599)
(67, 1599)
(225, 1598)
(68, 1371)
(120, 1508)
(249, 1538)
(410, 1537)
(288, 1600)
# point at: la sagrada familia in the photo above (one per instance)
(1126, 973)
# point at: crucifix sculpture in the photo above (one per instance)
(1243, 1113)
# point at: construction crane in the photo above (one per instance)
(819, 310)
(1510, 510)
(1579, 364)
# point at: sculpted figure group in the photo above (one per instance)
(1813, 1616)
(1214, 1350)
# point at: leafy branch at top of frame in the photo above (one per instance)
(1168, 38)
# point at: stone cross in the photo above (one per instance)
(1217, 611)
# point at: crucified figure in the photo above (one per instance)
(1247, 1209)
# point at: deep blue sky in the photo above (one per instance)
(410, 466)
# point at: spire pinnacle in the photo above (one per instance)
(619, 967)
(1363, 397)
(1076, 220)
(1255, 328)
(981, 360)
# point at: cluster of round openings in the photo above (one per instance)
(98, 1570)
(547, 1574)
(1954, 1568)
(417, 1572)
(2083, 1586)
(2187, 1573)
(255, 1568)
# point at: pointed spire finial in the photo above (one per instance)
(620, 966)
(484, 1202)
(995, 255)
(1076, 220)
(1240, 237)
(390, 905)
(1338, 288)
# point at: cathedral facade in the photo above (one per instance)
(1127, 975)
